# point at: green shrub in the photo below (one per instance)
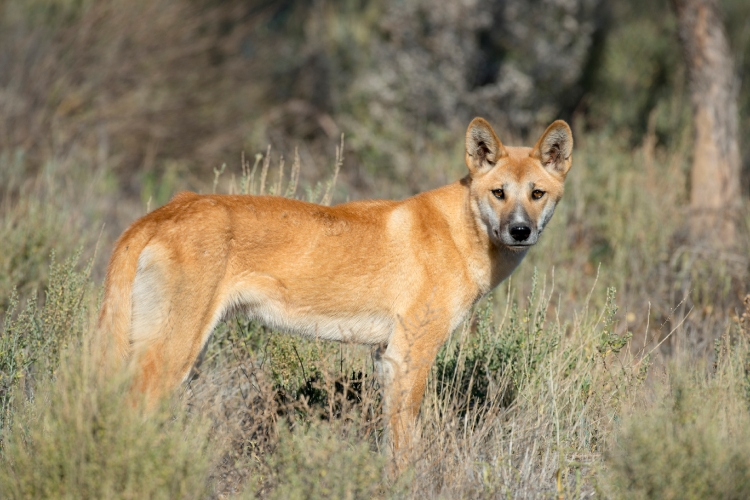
(32, 340)
(79, 438)
(67, 434)
(321, 462)
(496, 360)
(689, 439)
(29, 232)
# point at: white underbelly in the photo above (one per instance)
(360, 328)
(363, 327)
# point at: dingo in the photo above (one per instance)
(362, 272)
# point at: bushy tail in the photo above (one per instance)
(116, 313)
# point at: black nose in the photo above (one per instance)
(520, 233)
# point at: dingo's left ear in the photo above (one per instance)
(483, 148)
(554, 148)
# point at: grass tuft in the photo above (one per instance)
(78, 439)
(688, 437)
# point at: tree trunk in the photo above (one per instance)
(715, 174)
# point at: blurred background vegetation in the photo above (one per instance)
(109, 107)
(169, 88)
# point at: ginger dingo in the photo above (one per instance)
(361, 272)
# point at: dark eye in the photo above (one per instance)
(499, 194)
(537, 194)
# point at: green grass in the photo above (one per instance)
(65, 432)
(34, 338)
(318, 462)
(688, 437)
(614, 363)
(557, 385)
(78, 438)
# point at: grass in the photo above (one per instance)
(687, 438)
(614, 363)
(552, 387)
(76, 438)
(33, 339)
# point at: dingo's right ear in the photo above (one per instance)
(483, 148)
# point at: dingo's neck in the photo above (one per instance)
(487, 264)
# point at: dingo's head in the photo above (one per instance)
(514, 190)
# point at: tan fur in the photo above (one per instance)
(397, 273)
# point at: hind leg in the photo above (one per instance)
(167, 360)
(173, 315)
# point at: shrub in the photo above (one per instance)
(80, 439)
(689, 439)
(320, 461)
(690, 444)
(32, 340)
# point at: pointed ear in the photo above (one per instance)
(483, 148)
(554, 148)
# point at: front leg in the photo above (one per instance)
(403, 368)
